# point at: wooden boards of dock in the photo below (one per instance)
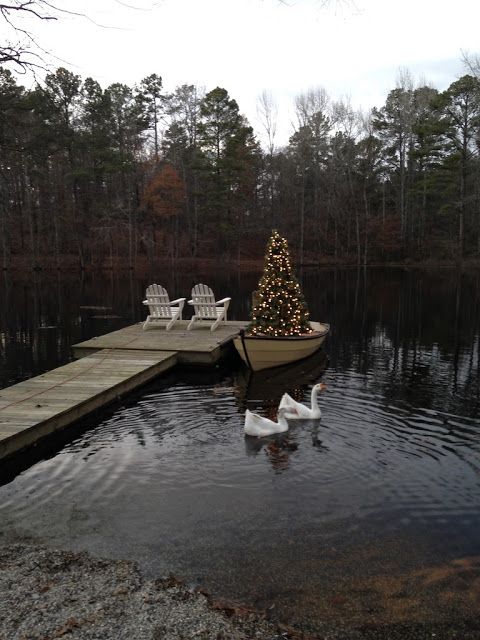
(198, 346)
(110, 366)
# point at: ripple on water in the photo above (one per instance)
(173, 472)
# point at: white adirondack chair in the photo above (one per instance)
(161, 309)
(206, 308)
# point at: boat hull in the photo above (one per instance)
(262, 352)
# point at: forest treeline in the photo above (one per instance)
(123, 175)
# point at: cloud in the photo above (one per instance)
(250, 45)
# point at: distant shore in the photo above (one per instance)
(142, 265)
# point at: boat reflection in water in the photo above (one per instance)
(264, 389)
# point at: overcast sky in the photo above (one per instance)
(353, 49)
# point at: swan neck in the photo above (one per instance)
(314, 398)
(282, 421)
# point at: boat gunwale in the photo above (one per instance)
(305, 336)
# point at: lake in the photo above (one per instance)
(367, 517)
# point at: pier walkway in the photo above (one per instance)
(109, 367)
(198, 346)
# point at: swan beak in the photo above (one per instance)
(322, 386)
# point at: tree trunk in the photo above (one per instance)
(365, 238)
(302, 218)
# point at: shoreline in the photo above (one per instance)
(70, 265)
(47, 593)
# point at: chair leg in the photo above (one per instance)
(190, 324)
(146, 323)
(172, 322)
(217, 322)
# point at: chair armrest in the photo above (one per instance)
(145, 302)
(177, 300)
(222, 301)
(190, 302)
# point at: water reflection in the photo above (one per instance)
(265, 388)
(407, 329)
(262, 391)
(317, 441)
(366, 506)
(277, 449)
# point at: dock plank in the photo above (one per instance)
(36, 408)
(198, 346)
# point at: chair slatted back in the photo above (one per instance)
(204, 301)
(158, 301)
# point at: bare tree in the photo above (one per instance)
(471, 62)
(267, 115)
(20, 47)
(344, 118)
(267, 111)
(315, 100)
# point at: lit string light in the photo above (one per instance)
(281, 309)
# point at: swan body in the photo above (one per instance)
(259, 426)
(294, 410)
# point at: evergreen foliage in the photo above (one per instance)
(79, 164)
(281, 309)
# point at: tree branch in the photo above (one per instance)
(21, 49)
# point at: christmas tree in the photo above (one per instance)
(281, 309)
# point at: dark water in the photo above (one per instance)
(370, 516)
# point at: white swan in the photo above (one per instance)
(259, 426)
(297, 411)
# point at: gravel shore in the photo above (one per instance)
(47, 594)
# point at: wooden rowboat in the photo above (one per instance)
(265, 352)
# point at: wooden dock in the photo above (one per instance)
(198, 346)
(110, 366)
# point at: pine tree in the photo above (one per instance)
(281, 309)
